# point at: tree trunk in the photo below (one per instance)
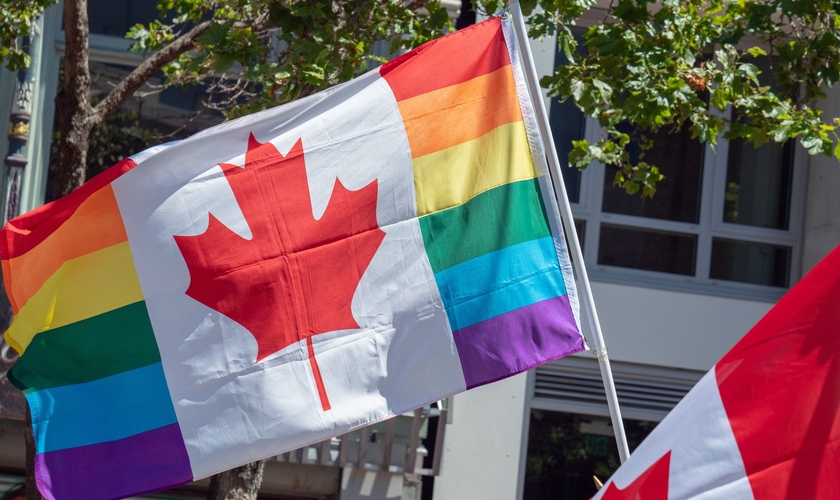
(241, 483)
(72, 104)
(68, 168)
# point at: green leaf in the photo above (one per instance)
(215, 35)
(567, 49)
(528, 6)
(578, 88)
(631, 187)
(756, 51)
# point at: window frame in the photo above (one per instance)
(710, 225)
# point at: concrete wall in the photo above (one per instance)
(670, 328)
(484, 444)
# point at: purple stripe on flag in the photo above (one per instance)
(150, 461)
(517, 341)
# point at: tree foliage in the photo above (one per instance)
(662, 65)
(258, 54)
(654, 65)
(251, 55)
(16, 21)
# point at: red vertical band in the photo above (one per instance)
(319, 382)
(780, 386)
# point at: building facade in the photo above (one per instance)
(677, 281)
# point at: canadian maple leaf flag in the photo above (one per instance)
(292, 275)
(764, 423)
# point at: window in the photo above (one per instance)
(565, 450)
(570, 437)
(116, 18)
(724, 221)
(567, 124)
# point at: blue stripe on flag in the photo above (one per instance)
(103, 410)
(500, 282)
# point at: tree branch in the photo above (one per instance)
(416, 4)
(142, 73)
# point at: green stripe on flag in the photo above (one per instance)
(105, 345)
(507, 215)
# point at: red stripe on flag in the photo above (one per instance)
(319, 382)
(449, 60)
(24, 233)
(780, 386)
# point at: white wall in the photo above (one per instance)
(483, 445)
(670, 328)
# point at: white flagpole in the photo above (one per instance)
(597, 337)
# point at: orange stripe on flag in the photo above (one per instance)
(29, 230)
(455, 58)
(460, 113)
(96, 224)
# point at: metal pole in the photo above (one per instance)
(566, 216)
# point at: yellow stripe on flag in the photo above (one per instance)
(95, 225)
(81, 288)
(455, 175)
(459, 113)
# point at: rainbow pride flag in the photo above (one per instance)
(480, 200)
(292, 275)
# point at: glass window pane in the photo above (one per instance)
(567, 125)
(756, 263)
(580, 227)
(108, 17)
(758, 182)
(677, 197)
(565, 450)
(661, 251)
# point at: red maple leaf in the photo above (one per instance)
(652, 484)
(296, 276)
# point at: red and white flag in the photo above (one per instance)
(292, 275)
(764, 423)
